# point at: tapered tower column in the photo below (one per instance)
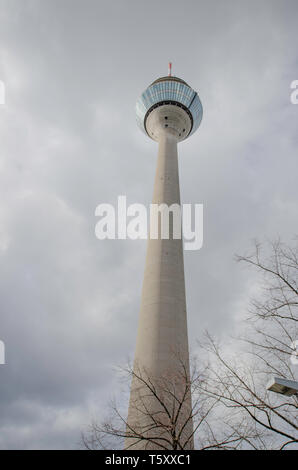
(161, 364)
(162, 331)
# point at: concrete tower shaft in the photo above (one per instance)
(161, 356)
(162, 331)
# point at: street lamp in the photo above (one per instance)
(283, 386)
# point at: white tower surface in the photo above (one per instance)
(168, 111)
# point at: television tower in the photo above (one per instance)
(168, 111)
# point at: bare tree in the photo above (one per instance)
(164, 429)
(271, 333)
(231, 407)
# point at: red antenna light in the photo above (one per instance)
(170, 69)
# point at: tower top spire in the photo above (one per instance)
(170, 69)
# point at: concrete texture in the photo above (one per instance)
(162, 341)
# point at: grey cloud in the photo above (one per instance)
(73, 70)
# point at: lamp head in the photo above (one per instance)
(283, 386)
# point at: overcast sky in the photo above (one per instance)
(73, 70)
